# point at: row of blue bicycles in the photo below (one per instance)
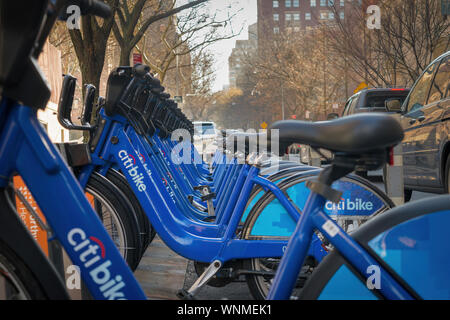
(292, 231)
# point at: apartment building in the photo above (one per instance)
(276, 16)
(237, 60)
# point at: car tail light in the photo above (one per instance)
(391, 156)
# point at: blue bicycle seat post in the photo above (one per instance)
(297, 249)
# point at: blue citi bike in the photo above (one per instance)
(234, 184)
(26, 149)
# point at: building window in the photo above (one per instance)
(296, 3)
(276, 30)
(296, 16)
(323, 3)
(342, 15)
(276, 4)
(342, 3)
(330, 3)
(324, 15)
(331, 15)
(313, 3)
(276, 17)
(308, 16)
(288, 17)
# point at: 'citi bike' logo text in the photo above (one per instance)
(348, 204)
(92, 254)
(130, 164)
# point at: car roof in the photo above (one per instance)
(368, 90)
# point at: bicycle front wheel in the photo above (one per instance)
(25, 272)
(16, 279)
(117, 216)
(268, 220)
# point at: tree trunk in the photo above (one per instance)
(125, 54)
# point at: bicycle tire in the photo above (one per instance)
(121, 213)
(147, 232)
(254, 283)
(389, 220)
(22, 262)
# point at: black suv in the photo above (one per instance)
(374, 100)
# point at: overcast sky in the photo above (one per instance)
(222, 49)
(246, 15)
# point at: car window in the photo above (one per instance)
(204, 129)
(441, 85)
(376, 101)
(419, 93)
(347, 107)
(352, 106)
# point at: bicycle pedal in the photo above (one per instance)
(185, 295)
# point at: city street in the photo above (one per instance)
(137, 137)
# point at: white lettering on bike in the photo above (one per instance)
(94, 261)
(357, 205)
(133, 170)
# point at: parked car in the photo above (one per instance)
(204, 130)
(374, 100)
(426, 121)
(205, 138)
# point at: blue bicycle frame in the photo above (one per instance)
(23, 142)
(214, 236)
(182, 234)
(26, 149)
(313, 218)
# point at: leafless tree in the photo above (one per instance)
(412, 34)
(297, 72)
(135, 17)
(90, 44)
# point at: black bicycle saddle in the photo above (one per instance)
(355, 134)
